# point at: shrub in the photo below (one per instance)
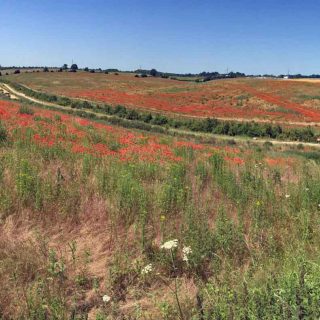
(3, 133)
(268, 144)
(25, 110)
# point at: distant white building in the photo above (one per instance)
(286, 77)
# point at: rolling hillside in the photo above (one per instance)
(104, 222)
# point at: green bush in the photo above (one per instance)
(3, 133)
(25, 110)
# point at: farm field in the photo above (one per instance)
(317, 80)
(102, 222)
(159, 160)
(258, 99)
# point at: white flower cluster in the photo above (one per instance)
(106, 298)
(186, 251)
(287, 196)
(147, 269)
(171, 244)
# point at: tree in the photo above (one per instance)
(153, 72)
(45, 69)
(74, 67)
(65, 67)
(86, 69)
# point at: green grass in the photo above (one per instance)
(77, 226)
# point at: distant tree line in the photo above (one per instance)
(203, 76)
(299, 76)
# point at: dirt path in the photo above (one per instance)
(173, 114)
(44, 103)
(199, 134)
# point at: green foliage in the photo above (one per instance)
(26, 181)
(228, 237)
(175, 190)
(291, 294)
(26, 110)
(3, 133)
(254, 251)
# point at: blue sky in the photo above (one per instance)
(252, 36)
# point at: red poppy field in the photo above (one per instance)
(258, 99)
(80, 136)
(88, 209)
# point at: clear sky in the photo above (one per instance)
(251, 36)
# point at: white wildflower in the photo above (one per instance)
(171, 244)
(106, 298)
(186, 252)
(287, 196)
(147, 269)
(307, 189)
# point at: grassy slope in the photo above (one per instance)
(85, 207)
(262, 99)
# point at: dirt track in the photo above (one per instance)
(263, 96)
(221, 137)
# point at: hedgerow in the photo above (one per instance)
(208, 125)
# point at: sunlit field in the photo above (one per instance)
(259, 99)
(104, 222)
